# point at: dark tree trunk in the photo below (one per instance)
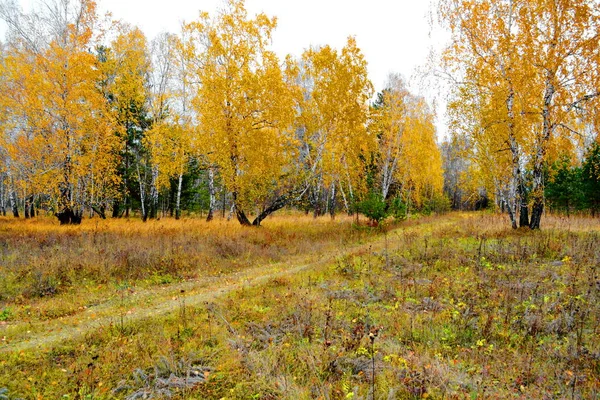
(2, 196)
(14, 205)
(100, 211)
(241, 217)
(538, 190)
(69, 217)
(316, 203)
(26, 208)
(223, 204)
(153, 210)
(29, 207)
(536, 214)
(523, 214)
(278, 204)
(523, 200)
(239, 213)
(64, 217)
(116, 212)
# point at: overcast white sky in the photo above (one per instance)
(394, 35)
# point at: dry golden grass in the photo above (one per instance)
(49, 271)
(464, 306)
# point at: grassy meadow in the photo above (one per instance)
(457, 306)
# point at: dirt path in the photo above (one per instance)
(154, 302)
(157, 301)
(137, 308)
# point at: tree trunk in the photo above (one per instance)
(538, 195)
(142, 195)
(212, 202)
(521, 195)
(126, 198)
(538, 165)
(116, 209)
(241, 217)
(524, 211)
(332, 202)
(239, 213)
(26, 207)
(278, 204)
(536, 214)
(388, 171)
(507, 200)
(223, 203)
(2, 196)
(350, 193)
(171, 198)
(153, 209)
(344, 199)
(408, 203)
(67, 214)
(520, 186)
(316, 203)
(178, 198)
(13, 203)
(100, 211)
(511, 214)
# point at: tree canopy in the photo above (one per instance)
(525, 82)
(96, 117)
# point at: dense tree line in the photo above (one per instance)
(96, 119)
(574, 187)
(525, 90)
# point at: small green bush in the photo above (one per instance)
(5, 314)
(398, 208)
(438, 204)
(374, 208)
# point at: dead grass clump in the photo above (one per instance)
(228, 248)
(165, 379)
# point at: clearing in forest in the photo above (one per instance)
(445, 306)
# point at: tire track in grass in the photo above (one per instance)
(86, 322)
(151, 303)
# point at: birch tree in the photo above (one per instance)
(60, 129)
(245, 106)
(533, 65)
(334, 119)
